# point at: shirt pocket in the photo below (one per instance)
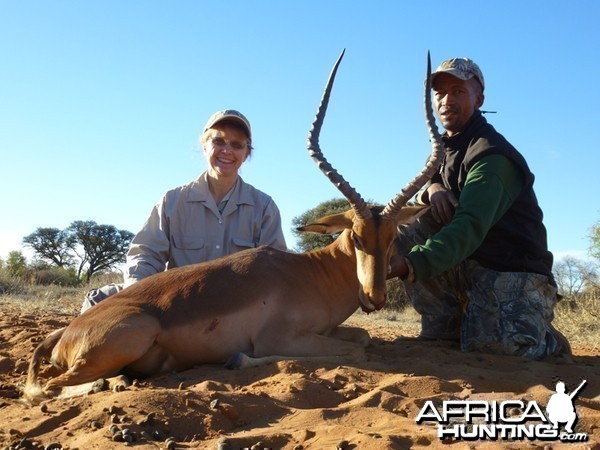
(242, 244)
(187, 249)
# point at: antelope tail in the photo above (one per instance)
(33, 390)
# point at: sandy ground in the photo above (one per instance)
(289, 405)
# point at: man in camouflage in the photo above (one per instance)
(476, 264)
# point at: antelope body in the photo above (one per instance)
(248, 308)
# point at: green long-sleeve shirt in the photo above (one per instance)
(492, 185)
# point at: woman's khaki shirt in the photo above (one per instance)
(187, 227)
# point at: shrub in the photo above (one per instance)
(52, 275)
(104, 278)
(10, 284)
(397, 299)
(16, 263)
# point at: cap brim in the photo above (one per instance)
(229, 118)
(460, 74)
(455, 73)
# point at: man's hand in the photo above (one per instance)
(443, 203)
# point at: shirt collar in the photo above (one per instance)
(240, 194)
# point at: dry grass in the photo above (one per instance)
(16, 294)
(51, 299)
(579, 320)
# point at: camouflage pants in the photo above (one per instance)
(496, 312)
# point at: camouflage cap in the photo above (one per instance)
(463, 68)
(229, 114)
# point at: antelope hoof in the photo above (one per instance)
(118, 383)
(98, 386)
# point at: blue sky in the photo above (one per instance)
(102, 102)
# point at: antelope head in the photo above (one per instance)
(373, 230)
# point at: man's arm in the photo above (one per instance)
(492, 185)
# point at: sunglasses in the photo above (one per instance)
(221, 142)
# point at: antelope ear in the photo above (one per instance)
(332, 224)
(408, 214)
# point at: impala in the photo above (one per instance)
(248, 308)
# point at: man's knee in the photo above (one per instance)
(510, 313)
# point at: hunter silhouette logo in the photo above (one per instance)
(560, 407)
(471, 420)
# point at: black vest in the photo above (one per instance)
(518, 241)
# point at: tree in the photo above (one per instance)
(595, 241)
(99, 247)
(52, 245)
(573, 276)
(313, 241)
(16, 263)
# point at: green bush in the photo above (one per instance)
(16, 263)
(10, 284)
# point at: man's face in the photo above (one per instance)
(455, 101)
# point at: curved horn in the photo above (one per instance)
(433, 163)
(359, 206)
